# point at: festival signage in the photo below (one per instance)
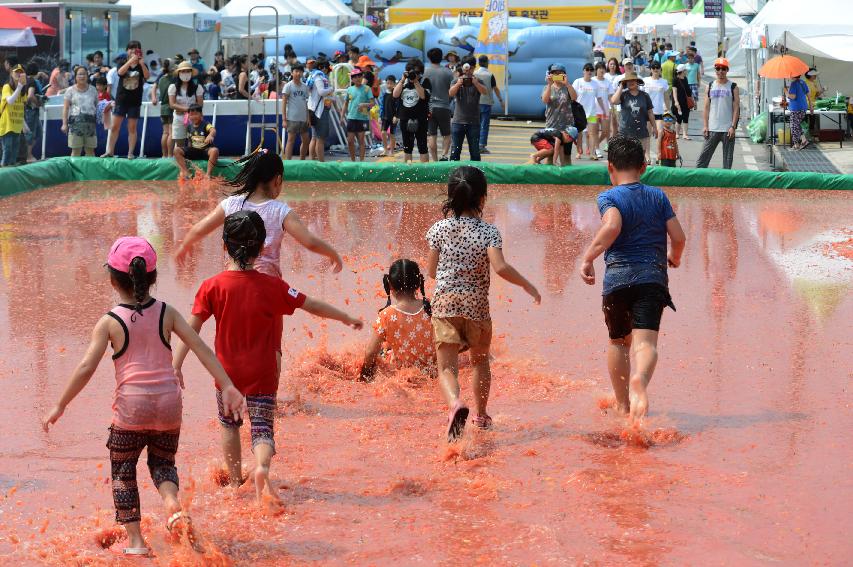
(613, 39)
(493, 40)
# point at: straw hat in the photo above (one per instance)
(185, 66)
(631, 77)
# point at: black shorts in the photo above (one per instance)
(166, 118)
(131, 112)
(667, 162)
(439, 122)
(636, 307)
(357, 126)
(658, 116)
(196, 154)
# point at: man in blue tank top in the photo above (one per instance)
(635, 222)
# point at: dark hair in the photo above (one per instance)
(588, 67)
(98, 52)
(625, 153)
(259, 167)
(101, 81)
(12, 60)
(483, 60)
(138, 281)
(654, 65)
(434, 55)
(405, 276)
(323, 63)
(134, 44)
(32, 68)
(612, 59)
(600, 65)
(297, 67)
(465, 191)
(354, 49)
(244, 233)
(90, 57)
(195, 107)
(391, 78)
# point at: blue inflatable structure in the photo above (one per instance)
(532, 47)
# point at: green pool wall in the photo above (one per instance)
(59, 170)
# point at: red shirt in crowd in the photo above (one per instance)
(248, 307)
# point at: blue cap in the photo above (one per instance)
(671, 54)
(122, 55)
(559, 67)
(572, 132)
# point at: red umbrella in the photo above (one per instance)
(12, 20)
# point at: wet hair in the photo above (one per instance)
(405, 276)
(625, 153)
(138, 281)
(434, 55)
(244, 233)
(465, 191)
(261, 166)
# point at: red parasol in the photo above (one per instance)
(12, 20)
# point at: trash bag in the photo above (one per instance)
(757, 128)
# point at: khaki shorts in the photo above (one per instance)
(462, 331)
(76, 142)
(179, 129)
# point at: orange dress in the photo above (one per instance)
(406, 338)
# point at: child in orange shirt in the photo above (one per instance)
(668, 142)
(403, 331)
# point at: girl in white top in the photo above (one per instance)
(259, 185)
(657, 89)
(183, 93)
(612, 75)
(605, 89)
(586, 89)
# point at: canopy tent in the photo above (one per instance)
(17, 38)
(560, 12)
(174, 26)
(703, 31)
(235, 16)
(332, 15)
(743, 7)
(10, 20)
(658, 17)
(817, 31)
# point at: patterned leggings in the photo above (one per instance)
(797, 117)
(125, 447)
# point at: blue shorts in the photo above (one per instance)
(261, 416)
(127, 111)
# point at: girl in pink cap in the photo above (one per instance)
(147, 399)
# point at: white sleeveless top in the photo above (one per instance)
(273, 212)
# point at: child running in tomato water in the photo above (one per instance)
(462, 248)
(147, 401)
(402, 332)
(259, 185)
(635, 222)
(248, 306)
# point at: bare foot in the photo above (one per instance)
(262, 480)
(639, 401)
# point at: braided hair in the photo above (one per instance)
(244, 235)
(260, 166)
(138, 281)
(405, 276)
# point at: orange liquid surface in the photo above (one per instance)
(745, 458)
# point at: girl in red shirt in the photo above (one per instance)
(248, 307)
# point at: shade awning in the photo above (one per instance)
(12, 20)
(830, 46)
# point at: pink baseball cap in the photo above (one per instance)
(355, 72)
(126, 248)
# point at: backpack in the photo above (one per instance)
(579, 115)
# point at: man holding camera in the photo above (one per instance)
(557, 96)
(466, 89)
(414, 93)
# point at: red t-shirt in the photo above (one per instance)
(248, 306)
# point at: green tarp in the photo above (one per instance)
(66, 169)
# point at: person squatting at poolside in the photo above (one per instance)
(248, 307)
(636, 220)
(147, 402)
(462, 248)
(402, 335)
(549, 143)
(198, 144)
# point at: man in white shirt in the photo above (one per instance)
(320, 92)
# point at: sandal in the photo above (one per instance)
(178, 531)
(804, 144)
(136, 551)
(456, 422)
(482, 421)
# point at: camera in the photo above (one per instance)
(412, 75)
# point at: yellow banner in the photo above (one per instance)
(493, 41)
(547, 15)
(615, 37)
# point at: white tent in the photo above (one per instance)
(743, 7)
(235, 16)
(802, 18)
(17, 38)
(704, 32)
(330, 15)
(174, 26)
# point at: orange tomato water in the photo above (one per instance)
(744, 459)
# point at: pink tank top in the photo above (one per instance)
(273, 212)
(148, 394)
